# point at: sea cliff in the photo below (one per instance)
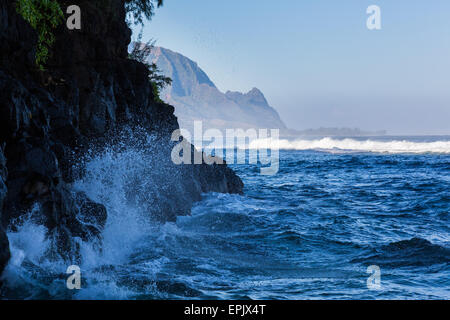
(89, 92)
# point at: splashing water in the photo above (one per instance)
(309, 232)
(124, 179)
(393, 146)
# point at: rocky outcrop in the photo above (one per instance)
(196, 97)
(4, 245)
(89, 92)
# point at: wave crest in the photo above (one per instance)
(348, 144)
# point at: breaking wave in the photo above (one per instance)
(348, 144)
(307, 233)
(125, 179)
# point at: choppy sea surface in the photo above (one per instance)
(336, 207)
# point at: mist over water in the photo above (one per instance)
(310, 231)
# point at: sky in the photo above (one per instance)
(316, 61)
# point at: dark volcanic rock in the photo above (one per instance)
(89, 92)
(4, 244)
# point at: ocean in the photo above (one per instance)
(337, 209)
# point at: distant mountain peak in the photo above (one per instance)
(196, 97)
(254, 96)
(255, 92)
(184, 72)
(257, 96)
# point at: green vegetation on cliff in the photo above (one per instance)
(142, 9)
(141, 52)
(44, 16)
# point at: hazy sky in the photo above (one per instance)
(316, 61)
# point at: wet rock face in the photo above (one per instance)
(39, 129)
(4, 245)
(36, 161)
(89, 91)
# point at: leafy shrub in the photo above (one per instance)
(43, 16)
(140, 52)
(142, 9)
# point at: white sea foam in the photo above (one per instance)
(112, 178)
(335, 145)
(107, 181)
(117, 179)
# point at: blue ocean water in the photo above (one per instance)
(308, 232)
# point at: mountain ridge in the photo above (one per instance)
(195, 97)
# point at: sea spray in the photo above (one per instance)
(33, 272)
(309, 232)
(126, 178)
(349, 144)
